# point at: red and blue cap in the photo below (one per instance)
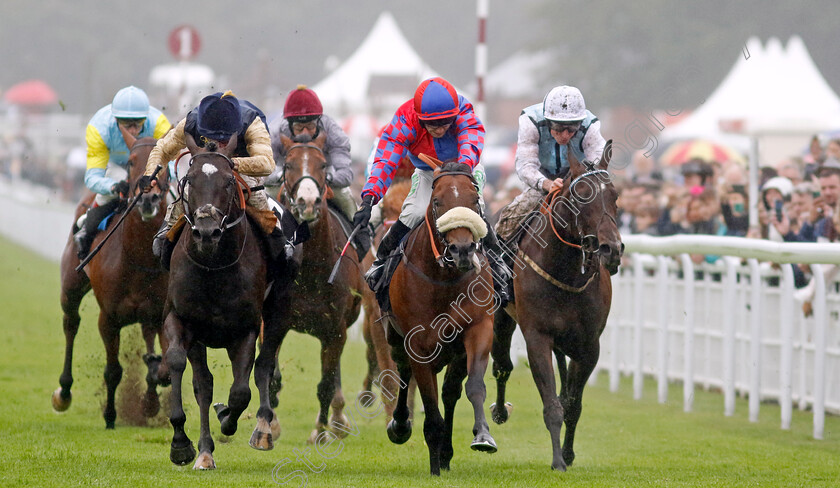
(435, 99)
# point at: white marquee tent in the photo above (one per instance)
(770, 89)
(379, 76)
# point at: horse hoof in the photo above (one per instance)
(398, 434)
(182, 455)
(262, 438)
(340, 421)
(501, 415)
(484, 443)
(59, 403)
(151, 404)
(568, 458)
(205, 461)
(561, 466)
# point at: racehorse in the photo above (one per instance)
(318, 308)
(378, 351)
(442, 304)
(129, 286)
(563, 292)
(217, 284)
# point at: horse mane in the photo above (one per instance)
(455, 167)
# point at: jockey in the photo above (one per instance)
(440, 123)
(218, 120)
(547, 132)
(107, 155)
(303, 120)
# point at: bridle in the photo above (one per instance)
(290, 191)
(444, 259)
(552, 198)
(209, 210)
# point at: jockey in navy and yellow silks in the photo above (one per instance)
(107, 154)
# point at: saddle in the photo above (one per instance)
(360, 245)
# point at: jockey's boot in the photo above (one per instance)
(161, 246)
(389, 243)
(95, 216)
(500, 271)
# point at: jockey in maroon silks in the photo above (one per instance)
(439, 123)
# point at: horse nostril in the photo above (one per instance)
(605, 250)
(216, 234)
(318, 201)
(196, 234)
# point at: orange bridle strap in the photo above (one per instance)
(546, 210)
(432, 239)
(242, 197)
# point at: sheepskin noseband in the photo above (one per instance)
(462, 217)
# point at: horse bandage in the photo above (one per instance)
(462, 217)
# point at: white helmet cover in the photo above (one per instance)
(564, 104)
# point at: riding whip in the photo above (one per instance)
(338, 261)
(111, 232)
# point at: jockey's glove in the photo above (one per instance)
(120, 188)
(362, 217)
(145, 182)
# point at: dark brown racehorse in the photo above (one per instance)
(562, 296)
(216, 290)
(378, 351)
(129, 286)
(318, 308)
(442, 300)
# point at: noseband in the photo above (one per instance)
(444, 259)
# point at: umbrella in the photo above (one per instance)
(683, 151)
(31, 92)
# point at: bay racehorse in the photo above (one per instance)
(216, 289)
(318, 308)
(128, 284)
(442, 300)
(562, 288)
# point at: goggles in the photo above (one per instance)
(131, 123)
(561, 127)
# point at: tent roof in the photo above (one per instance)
(768, 88)
(384, 54)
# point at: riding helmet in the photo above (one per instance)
(302, 104)
(130, 103)
(564, 104)
(435, 99)
(218, 116)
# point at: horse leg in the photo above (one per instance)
(241, 356)
(181, 450)
(370, 353)
(71, 298)
(276, 382)
(151, 403)
(337, 405)
(433, 426)
(450, 393)
(330, 358)
(384, 362)
(539, 356)
(110, 334)
(399, 427)
(503, 328)
(478, 340)
(571, 397)
(266, 371)
(203, 389)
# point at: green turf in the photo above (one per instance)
(620, 442)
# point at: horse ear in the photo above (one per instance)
(287, 142)
(573, 160)
(321, 140)
(231, 146)
(606, 155)
(129, 139)
(191, 144)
